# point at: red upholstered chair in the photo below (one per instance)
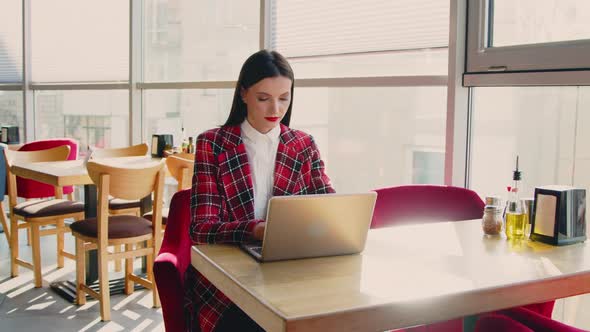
(172, 261)
(433, 203)
(496, 322)
(520, 319)
(426, 203)
(32, 189)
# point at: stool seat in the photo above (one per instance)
(48, 208)
(120, 204)
(122, 226)
(150, 215)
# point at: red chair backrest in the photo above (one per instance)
(425, 203)
(173, 260)
(177, 235)
(32, 189)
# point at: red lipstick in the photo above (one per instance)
(272, 118)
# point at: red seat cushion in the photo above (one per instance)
(122, 226)
(32, 189)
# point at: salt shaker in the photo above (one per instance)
(492, 220)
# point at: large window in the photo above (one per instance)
(368, 94)
(548, 127)
(11, 38)
(198, 40)
(168, 111)
(534, 22)
(528, 35)
(11, 62)
(79, 40)
(11, 110)
(190, 42)
(94, 118)
(375, 137)
(369, 38)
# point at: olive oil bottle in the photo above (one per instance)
(516, 214)
(516, 225)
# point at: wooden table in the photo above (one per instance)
(69, 173)
(406, 276)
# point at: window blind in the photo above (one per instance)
(11, 37)
(79, 40)
(310, 28)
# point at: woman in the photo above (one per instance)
(238, 167)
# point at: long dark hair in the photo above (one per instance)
(258, 66)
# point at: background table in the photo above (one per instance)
(406, 276)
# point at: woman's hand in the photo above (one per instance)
(258, 231)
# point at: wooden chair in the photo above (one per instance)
(37, 213)
(105, 230)
(31, 189)
(181, 167)
(122, 206)
(118, 206)
(134, 150)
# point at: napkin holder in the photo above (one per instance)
(559, 216)
(9, 135)
(159, 142)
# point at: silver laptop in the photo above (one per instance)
(314, 225)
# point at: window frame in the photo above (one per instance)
(553, 56)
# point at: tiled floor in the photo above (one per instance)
(25, 308)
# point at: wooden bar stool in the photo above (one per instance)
(119, 206)
(181, 167)
(39, 212)
(105, 230)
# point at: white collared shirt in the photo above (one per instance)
(262, 151)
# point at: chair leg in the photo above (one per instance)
(80, 271)
(13, 245)
(129, 284)
(103, 280)
(117, 249)
(29, 236)
(150, 275)
(59, 225)
(36, 243)
(4, 223)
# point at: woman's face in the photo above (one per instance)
(267, 102)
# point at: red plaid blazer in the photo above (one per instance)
(222, 202)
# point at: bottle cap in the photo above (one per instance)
(493, 200)
(493, 208)
(517, 174)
